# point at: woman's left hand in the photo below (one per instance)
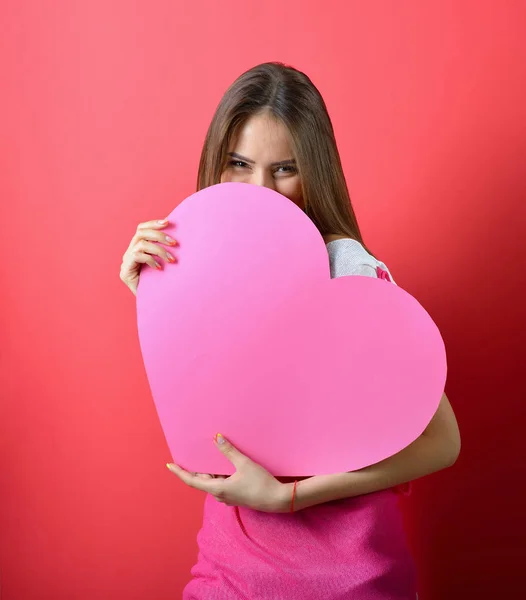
(251, 485)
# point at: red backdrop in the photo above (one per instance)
(104, 107)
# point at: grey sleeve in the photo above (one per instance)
(348, 257)
(342, 268)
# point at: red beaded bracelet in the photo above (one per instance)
(293, 497)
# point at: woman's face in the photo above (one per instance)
(262, 154)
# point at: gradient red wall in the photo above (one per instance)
(104, 107)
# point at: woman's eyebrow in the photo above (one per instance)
(284, 163)
(281, 163)
(243, 158)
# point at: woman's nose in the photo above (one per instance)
(263, 179)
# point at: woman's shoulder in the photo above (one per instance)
(347, 256)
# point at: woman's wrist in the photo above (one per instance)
(323, 488)
(283, 501)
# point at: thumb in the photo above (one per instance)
(233, 454)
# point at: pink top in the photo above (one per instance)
(349, 549)
(352, 549)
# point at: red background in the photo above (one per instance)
(104, 108)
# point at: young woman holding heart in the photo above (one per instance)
(324, 537)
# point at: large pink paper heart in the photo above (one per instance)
(248, 336)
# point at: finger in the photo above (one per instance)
(223, 501)
(153, 249)
(155, 224)
(210, 486)
(204, 475)
(233, 454)
(154, 236)
(147, 259)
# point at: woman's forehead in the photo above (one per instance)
(262, 138)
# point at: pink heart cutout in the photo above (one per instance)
(247, 335)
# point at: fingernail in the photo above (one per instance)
(170, 258)
(171, 241)
(162, 221)
(158, 266)
(219, 439)
(168, 466)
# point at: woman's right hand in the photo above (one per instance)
(143, 249)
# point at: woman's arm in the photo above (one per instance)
(437, 448)
(254, 487)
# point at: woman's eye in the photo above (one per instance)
(287, 169)
(237, 163)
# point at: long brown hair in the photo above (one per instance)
(290, 96)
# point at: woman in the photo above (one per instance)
(325, 537)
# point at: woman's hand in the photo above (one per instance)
(251, 485)
(142, 250)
